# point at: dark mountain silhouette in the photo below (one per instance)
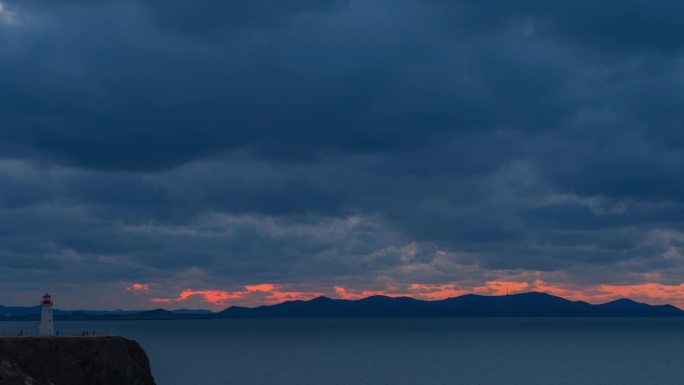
(152, 314)
(471, 305)
(637, 309)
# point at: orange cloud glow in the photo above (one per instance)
(647, 292)
(210, 296)
(253, 294)
(264, 287)
(435, 292)
(267, 293)
(139, 287)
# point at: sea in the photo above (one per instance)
(404, 351)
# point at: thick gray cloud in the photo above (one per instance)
(210, 144)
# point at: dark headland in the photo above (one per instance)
(471, 305)
(73, 361)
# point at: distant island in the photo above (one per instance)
(532, 304)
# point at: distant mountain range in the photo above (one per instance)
(33, 313)
(471, 305)
(517, 305)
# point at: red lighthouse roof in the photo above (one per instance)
(47, 300)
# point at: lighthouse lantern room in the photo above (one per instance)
(47, 326)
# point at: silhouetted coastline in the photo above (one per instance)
(517, 305)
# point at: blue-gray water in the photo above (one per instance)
(405, 351)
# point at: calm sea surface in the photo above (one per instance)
(380, 351)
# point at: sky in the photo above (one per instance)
(208, 153)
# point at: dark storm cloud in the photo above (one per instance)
(293, 90)
(210, 17)
(614, 25)
(340, 140)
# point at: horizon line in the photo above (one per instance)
(349, 300)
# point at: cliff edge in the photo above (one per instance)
(73, 361)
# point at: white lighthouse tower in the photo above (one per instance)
(47, 327)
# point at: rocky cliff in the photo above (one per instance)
(73, 361)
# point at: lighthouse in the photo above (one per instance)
(47, 327)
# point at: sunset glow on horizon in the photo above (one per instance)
(269, 294)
